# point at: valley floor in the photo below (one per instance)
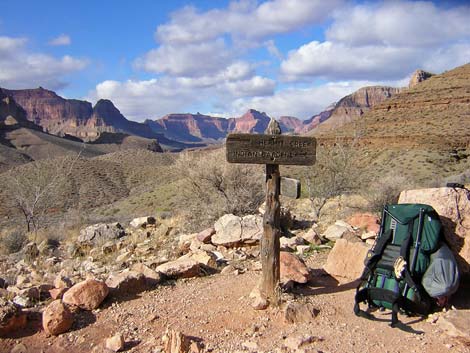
(216, 310)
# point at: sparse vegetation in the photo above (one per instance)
(384, 191)
(12, 241)
(212, 187)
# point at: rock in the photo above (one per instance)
(185, 241)
(204, 258)
(87, 295)
(126, 282)
(31, 293)
(302, 249)
(453, 207)
(57, 318)
(296, 341)
(180, 268)
(228, 230)
(368, 235)
(3, 283)
(115, 343)
(297, 313)
(456, 323)
(12, 319)
(419, 76)
(142, 222)
(57, 293)
(108, 248)
(206, 235)
(365, 221)
(232, 230)
(335, 232)
(250, 346)
(292, 268)
(62, 281)
(175, 342)
(312, 237)
(252, 229)
(152, 278)
(126, 255)
(23, 301)
(20, 348)
(290, 243)
(346, 260)
(101, 233)
(30, 252)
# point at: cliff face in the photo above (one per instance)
(355, 105)
(61, 117)
(10, 112)
(419, 76)
(251, 122)
(291, 124)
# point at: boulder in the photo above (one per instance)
(57, 318)
(126, 282)
(453, 207)
(100, 233)
(346, 260)
(180, 268)
(115, 343)
(87, 295)
(336, 231)
(252, 229)
(365, 221)
(311, 237)
(292, 268)
(228, 230)
(185, 241)
(232, 230)
(206, 235)
(143, 222)
(152, 278)
(456, 324)
(12, 319)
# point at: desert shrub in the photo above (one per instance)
(211, 187)
(384, 191)
(334, 174)
(13, 241)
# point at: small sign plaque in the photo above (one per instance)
(270, 149)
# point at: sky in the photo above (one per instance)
(282, 57)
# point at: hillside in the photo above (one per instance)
(422, 132)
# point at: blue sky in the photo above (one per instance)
(284, 57)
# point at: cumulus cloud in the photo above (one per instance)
(20, 68)
(61, 40)
(384, 41)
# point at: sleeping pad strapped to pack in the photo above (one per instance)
(394, 267)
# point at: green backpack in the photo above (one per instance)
(394, 267)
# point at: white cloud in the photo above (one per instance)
(187, 60)
(61, 40)
(338, 61)
(20, 68)
(244, 19)
(381, 41)
(400, 24)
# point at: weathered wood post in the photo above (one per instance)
(272, 149)
(270, 247)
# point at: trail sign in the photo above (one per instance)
(271, 149)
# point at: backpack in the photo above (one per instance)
(394, 267)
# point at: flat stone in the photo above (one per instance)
(180, 268)
(126, 282)
(346, 260)
(292, 268)
(206, 235)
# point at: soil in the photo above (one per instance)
(216, 311)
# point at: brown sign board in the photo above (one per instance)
(290, 187)
(270, 149)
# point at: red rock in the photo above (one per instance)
(115, 343)
(180, 268)
(346, 260)
(206, 235)
(57, 318)
(12, 319)
(57, 293)
(366, 221)
(292, 268)
(87, 295)
(126, 282)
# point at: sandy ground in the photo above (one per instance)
(216, 311)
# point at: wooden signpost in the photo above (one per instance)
(271, 149)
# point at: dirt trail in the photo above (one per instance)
(216, 310)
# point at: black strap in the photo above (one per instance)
(379, 294)
(376, 254)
